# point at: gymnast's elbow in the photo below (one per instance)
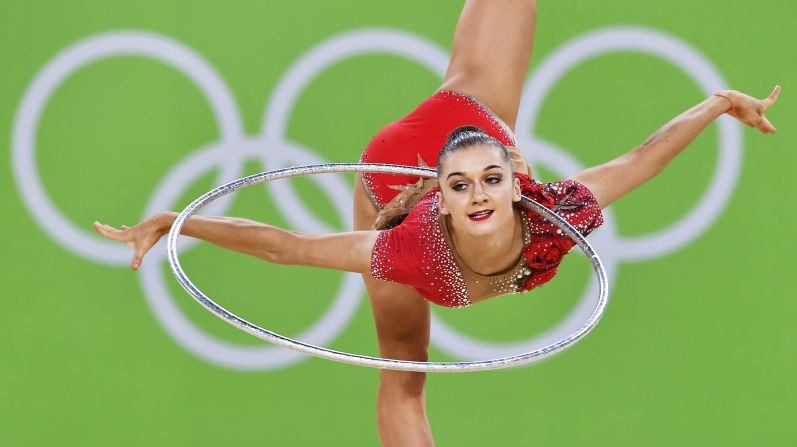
(643, 161)
(280, 247)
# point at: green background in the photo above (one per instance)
(696, 347)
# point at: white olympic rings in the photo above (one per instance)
(377, 362)
(234, 147)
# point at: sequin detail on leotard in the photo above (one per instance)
(416, 252)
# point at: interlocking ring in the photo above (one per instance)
(234, 147)
(362, 360)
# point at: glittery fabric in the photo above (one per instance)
(548, 245)
(421, 134)
(418, 253)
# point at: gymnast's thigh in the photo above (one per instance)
(491, 53)
(402, 320)
(400, 313)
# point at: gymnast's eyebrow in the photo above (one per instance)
(460, 173)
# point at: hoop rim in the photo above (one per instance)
(363, 360)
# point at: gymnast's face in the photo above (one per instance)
(477, 190)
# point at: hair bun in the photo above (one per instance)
(461, 130)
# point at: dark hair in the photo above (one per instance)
(467, 136)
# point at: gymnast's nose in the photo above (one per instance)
(478, 194)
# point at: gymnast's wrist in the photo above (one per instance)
(164, 220)
(728, 97)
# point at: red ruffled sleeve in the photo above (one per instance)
(548, 245)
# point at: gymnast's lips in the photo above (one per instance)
(480, 215)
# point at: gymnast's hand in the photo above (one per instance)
(141, 238)
(749, 110)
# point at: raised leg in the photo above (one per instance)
(402, 326)
(491, 53)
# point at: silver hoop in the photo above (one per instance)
(362, 360)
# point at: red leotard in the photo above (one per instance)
(422, 134)
(417, 253)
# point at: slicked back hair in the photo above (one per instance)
(467, 136)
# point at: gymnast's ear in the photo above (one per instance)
(516, 193)
(441, 203)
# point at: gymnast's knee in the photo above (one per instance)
(407, 384)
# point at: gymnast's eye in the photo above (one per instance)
(493, 179)
(460, 186)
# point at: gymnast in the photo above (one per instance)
(461, 239)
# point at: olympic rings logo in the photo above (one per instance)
(234, 148)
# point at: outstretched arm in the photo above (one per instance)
(350, 251)
(612, 180)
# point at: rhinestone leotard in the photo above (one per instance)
(418, 253)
